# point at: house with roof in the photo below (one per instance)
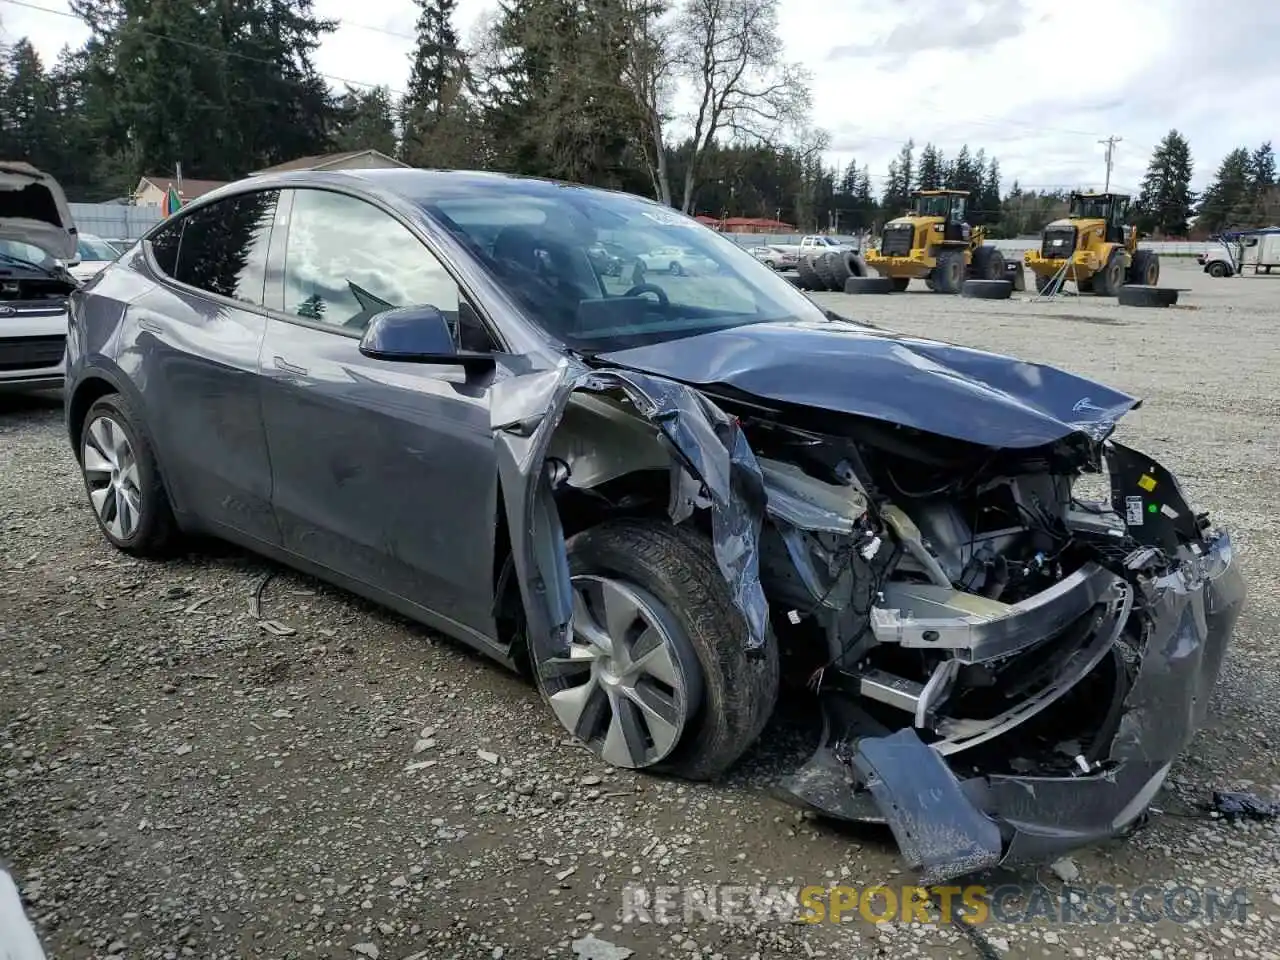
(151, 191)
(347, 160)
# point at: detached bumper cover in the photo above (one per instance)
(947, 827)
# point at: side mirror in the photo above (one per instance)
(417, 335)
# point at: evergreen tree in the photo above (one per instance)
(986, 203)
(439, 125)
(221, 88)
(1165, 201)
(895, 198)
(1227, 198)
(906, 167)
(932, 170)
(29, 115)
(365, 121)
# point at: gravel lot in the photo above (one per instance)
(176, 782)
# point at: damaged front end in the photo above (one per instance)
(1006, 668)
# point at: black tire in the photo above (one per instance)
(869, 285)
(987, 263)
(900, 284)
(1108, 281)
(1144, 271)
(987, 289)
(928, 282)
(948, 272)
(845, 265)
(808, 278)
(675, 269)
(824, 267)
(156, 529)
(677, 566)
(1137, 295)
(1043, 283)
(1218, 269)
(638, 271)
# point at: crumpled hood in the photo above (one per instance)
(953, 391)
(34, 210)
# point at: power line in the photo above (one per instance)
(67, 14)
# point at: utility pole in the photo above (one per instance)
(1111, 147)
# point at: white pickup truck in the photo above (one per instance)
(785, 256)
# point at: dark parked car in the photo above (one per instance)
(417, 386)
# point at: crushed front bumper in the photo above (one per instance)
(950, 824)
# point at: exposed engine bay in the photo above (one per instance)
(1006, 665)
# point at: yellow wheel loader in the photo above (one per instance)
(934, 243)
(1099, 251)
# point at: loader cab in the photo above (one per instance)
(949, 206)
(1111, 208)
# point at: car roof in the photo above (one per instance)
(425, 186)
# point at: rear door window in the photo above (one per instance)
(222, 247)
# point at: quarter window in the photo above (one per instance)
(346, 260)
(164, 247)
(223, 248)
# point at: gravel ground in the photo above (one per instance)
(176, 782)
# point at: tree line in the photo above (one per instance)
(579, 90)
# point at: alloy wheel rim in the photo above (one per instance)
(111, 475)
(630, 682)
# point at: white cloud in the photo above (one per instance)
(1037, 85)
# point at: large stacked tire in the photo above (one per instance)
(844, 265)
(1144, 270)
(808, 276)
(824, 267)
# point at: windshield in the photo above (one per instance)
(1091, 208)
(26, 252)
(670, 276)
(932, 206)
(95, 248)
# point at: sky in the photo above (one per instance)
(1037, 85)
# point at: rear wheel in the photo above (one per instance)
(658, 675)
(674, 268)
(900, 284)
(123, 480)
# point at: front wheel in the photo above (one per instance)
(1217, 269)
(674, 268)
(657, 673)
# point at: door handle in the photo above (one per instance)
(282, 364)
(151, 326)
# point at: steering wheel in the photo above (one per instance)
(663, 301)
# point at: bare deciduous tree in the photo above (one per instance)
(730, 54)
(649, 74)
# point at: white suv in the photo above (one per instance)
(37, 236)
